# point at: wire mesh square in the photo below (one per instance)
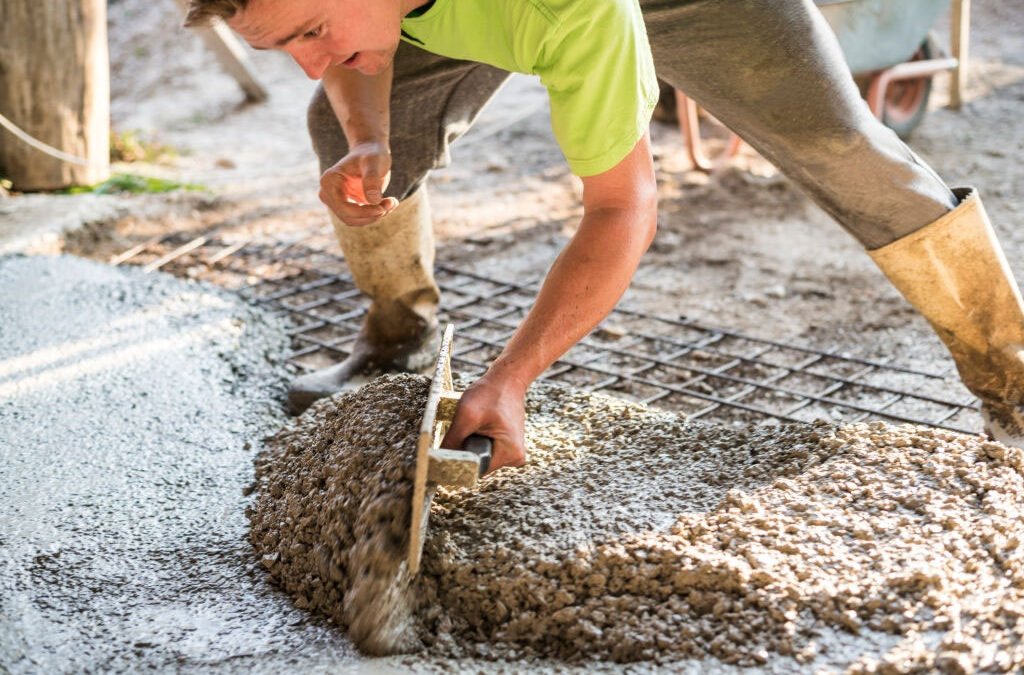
(673, 363)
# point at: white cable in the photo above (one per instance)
(73, 159)
(42, 147)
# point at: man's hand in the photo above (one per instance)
(354, 187)
(493, 407)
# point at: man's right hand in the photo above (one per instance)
(353, 189)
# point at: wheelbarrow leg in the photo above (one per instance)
(961, 37)
(909, 85)
(688, 113)
(689, 127)
(231, 56)
(734, 146)
(774, 73)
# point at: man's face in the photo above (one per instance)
(358, 34)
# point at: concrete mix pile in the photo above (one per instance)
(634, 535)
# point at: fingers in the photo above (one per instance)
(373, 186)
(506, 454)
(459, 430)
(488, 415)
(375, 172)
(353, 189)
(355, 214)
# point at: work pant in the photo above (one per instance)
(771, 70)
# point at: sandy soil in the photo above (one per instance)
(739, 249)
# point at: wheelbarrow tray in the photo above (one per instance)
(877, 34)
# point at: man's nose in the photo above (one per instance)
(313, 62)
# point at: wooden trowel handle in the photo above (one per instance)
(480, 446)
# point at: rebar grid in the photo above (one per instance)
(676, 364)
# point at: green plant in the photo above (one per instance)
(128, 146)
(134, 184)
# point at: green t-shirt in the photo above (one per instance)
(591, 55)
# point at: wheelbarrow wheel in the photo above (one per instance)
(906, 101)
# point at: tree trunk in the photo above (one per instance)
(55, 85)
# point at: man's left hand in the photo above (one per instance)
(492, 407)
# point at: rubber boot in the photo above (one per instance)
(392, 261)
(954, 272)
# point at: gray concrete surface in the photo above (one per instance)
(130, 409)
(37, 224)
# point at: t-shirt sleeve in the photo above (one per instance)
(599, 73)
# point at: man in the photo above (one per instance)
(401, 79)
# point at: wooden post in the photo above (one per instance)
(960, 38)
(218, 39)
(55, 86)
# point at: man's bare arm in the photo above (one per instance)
(585, 282)
(361, 102)
(594, 270)
(354, 188)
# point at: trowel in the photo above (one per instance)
(436, 465)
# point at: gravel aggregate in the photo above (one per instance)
(635, 536)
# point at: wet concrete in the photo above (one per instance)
(636, 536)
(331, 517)
(129, 409)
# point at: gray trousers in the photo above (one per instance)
(771, 70)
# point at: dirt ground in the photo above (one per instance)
(742, 248)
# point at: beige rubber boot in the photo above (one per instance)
(392, 261)
(954, 272)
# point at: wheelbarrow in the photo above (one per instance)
(892, 54)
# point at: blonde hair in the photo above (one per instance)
(201, 12)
